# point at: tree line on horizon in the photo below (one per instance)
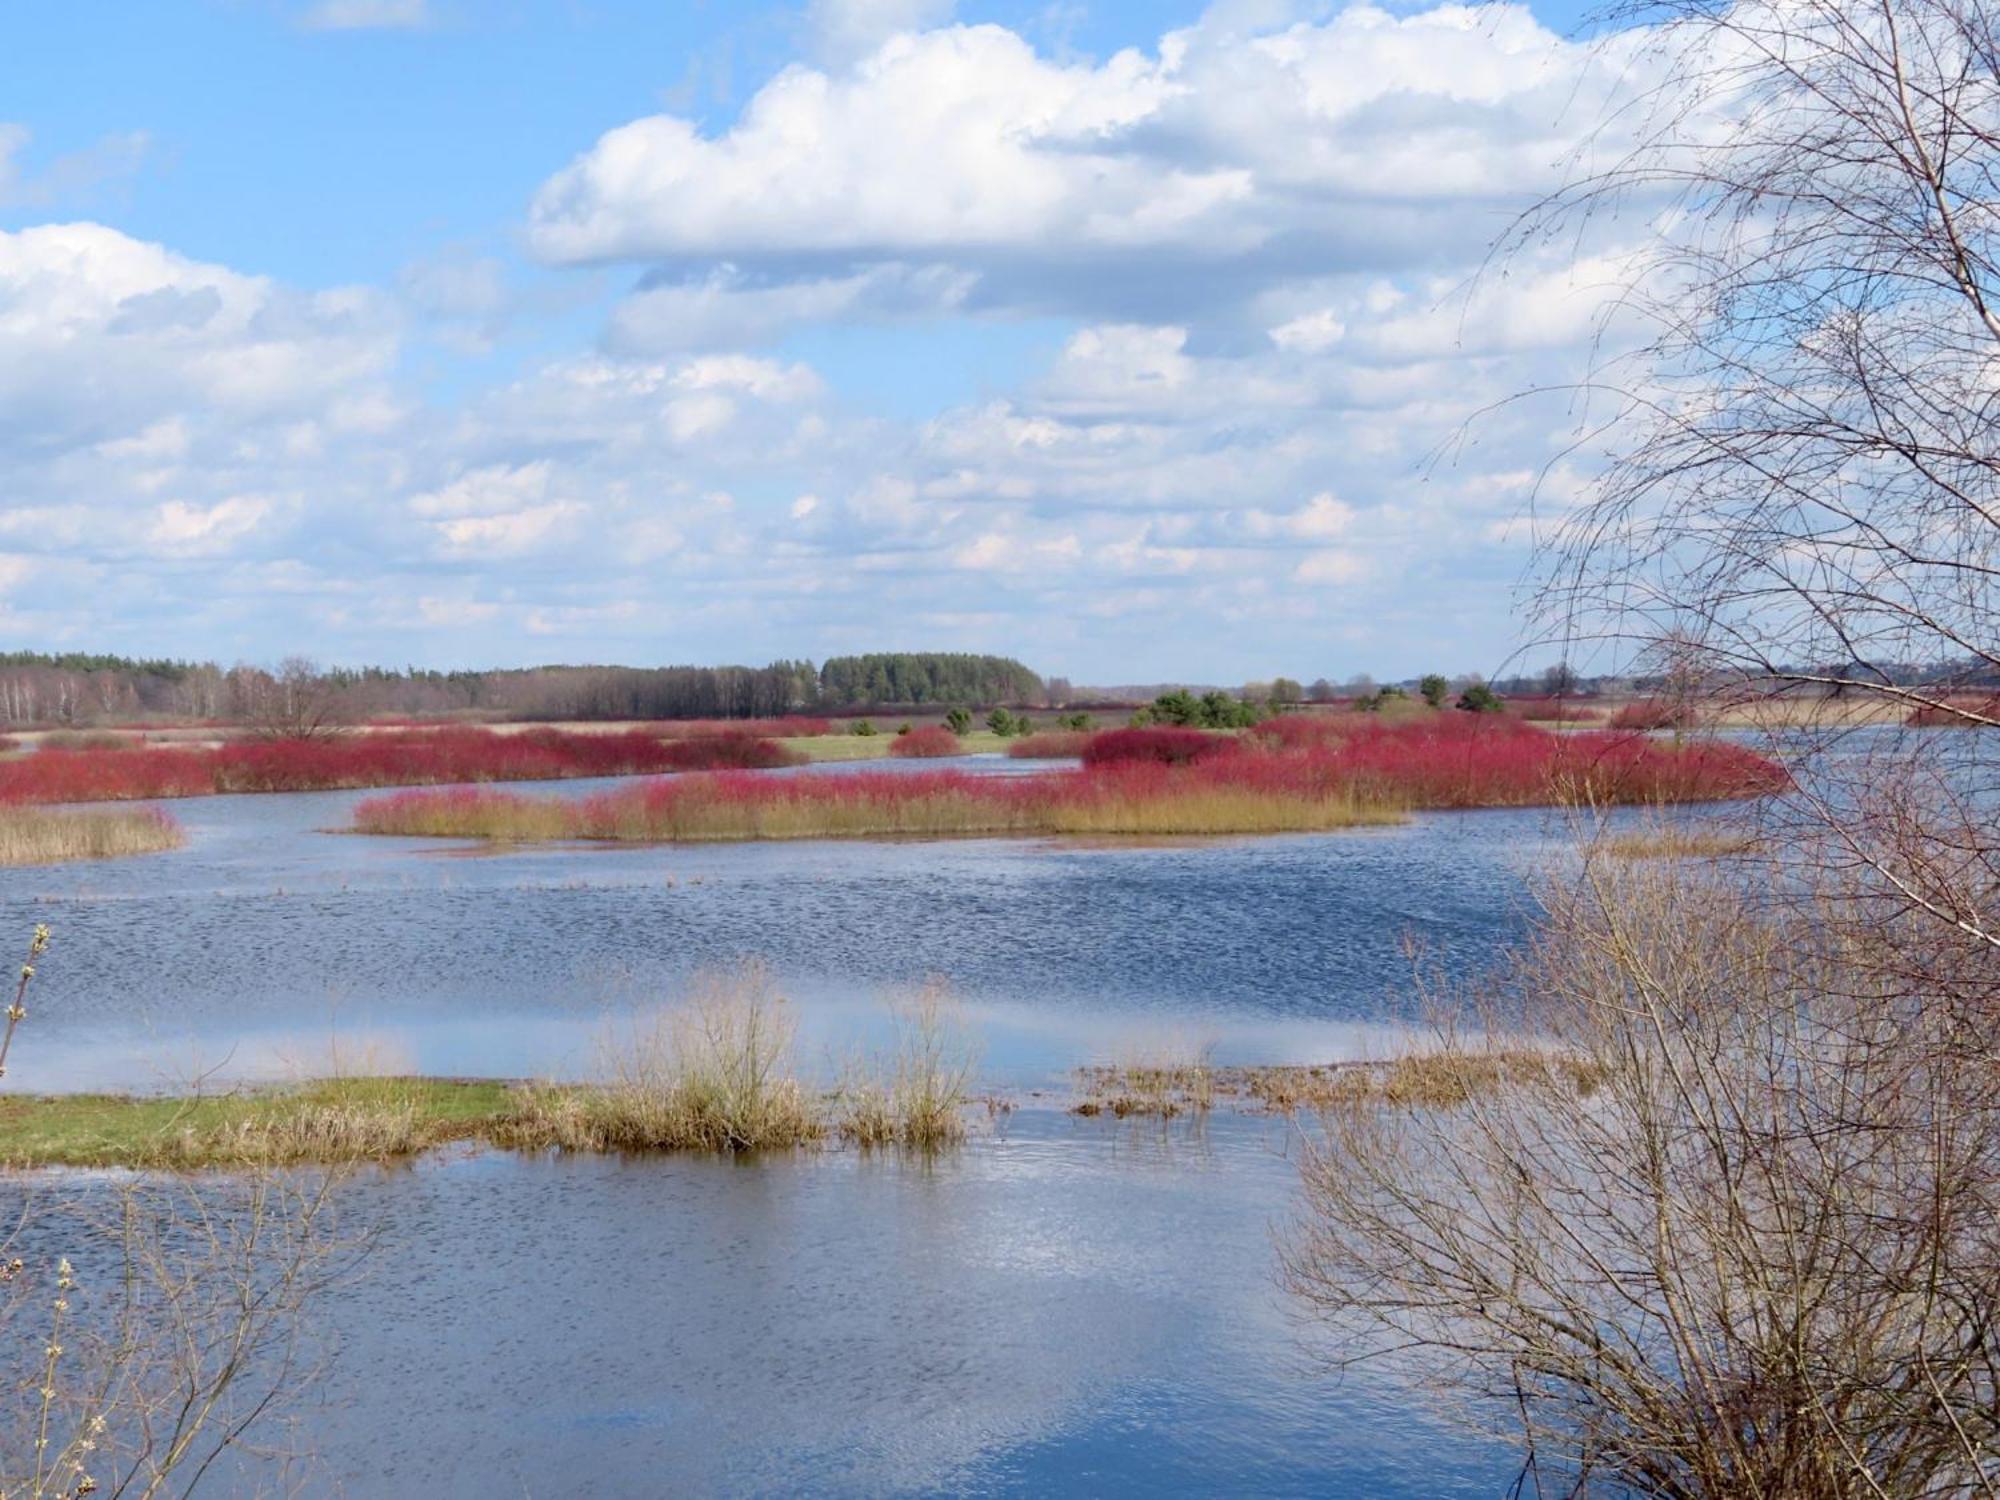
(86, 687)
(79, 687)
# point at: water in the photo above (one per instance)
(267, 946)
(1068, 1309)
(1063, 1307)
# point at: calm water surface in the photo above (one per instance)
(266, 945)
(1061, 1308)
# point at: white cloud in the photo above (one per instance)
(193, 529)
(1164, 187)
(510, 534)
(366, 15)
(1330, 565)
(493, 490)
(844, 30)
(107, 335)
(454, 614)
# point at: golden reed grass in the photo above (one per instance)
(35, 836)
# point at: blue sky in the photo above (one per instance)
(1139, 341)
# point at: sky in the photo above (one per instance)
(1144, 342)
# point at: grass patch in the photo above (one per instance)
(1124, 801)
(713, 1074)
(1420, 1080)
(343, 1120)
(31, 836)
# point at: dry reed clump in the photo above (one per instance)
(712, 1075)
(34, 837)
(919, 1100)
(1161, 1086)
(1442, 1079)
(1682, 842)
(716, 1075)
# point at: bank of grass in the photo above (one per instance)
(34, 836)
(330, 1121)
(1141, 801)
(714, 1074)
(1443, 1079)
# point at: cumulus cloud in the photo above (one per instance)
(106, 335)
(1167, 186)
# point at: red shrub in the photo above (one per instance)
(399, 758)
(1167, 747)
(735, 752)
(926, 744)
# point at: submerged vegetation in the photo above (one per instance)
(1293, 775)
(32, 836)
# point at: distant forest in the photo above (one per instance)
(69, 688)
(83, 688)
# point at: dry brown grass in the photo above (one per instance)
(919, 1101)
(1162, 1085)
(40, 836)
(714, 1074)
(1693, 842)
(1444, 1079)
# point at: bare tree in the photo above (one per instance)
(1804, 452)
(1737, 1235)
(296, 702)
(1732, 1232)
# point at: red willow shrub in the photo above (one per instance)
(927, 743)
(1464, 760)
(412, 758)
(738, 751)
(1940, 716)
(1051, 744)
(1166, 747)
